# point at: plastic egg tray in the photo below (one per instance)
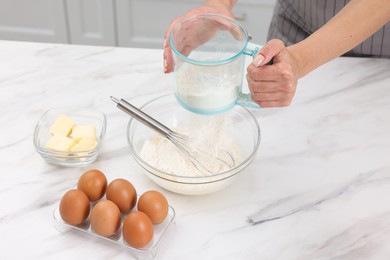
(148, 252)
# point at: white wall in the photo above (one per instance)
(135, 23)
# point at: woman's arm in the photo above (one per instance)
(357, 21)
(274, 86)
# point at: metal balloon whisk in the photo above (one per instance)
(183, 142)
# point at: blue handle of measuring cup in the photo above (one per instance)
(245, 99)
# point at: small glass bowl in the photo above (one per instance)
(243, 128)
(80, 115)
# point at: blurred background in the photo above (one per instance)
(125, 23)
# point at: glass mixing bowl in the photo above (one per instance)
(238, 124)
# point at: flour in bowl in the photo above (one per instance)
(210, 143)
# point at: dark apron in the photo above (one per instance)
(294, 20)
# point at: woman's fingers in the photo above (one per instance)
(275, 85)
(168, 59)
(167, 55)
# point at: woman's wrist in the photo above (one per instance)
(297, 61)
(228, 4)
(309, 54)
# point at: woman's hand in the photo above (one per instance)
(191, 40)
(273, 85)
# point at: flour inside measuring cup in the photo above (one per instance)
(210, 143)
(208, 87)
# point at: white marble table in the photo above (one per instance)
(319, 187)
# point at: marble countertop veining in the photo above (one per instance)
(319, 187)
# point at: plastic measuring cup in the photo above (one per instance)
(209, 63)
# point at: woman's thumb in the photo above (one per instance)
(268, 52)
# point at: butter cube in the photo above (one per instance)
(84, 144)
(83, 131)
(62, 126)
(60, 143)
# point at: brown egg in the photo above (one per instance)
(137, 229)
(93, 183)
(122, 193)
(105, 218)
(74, 207)
(155, 205)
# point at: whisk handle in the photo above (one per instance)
(141, 116)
